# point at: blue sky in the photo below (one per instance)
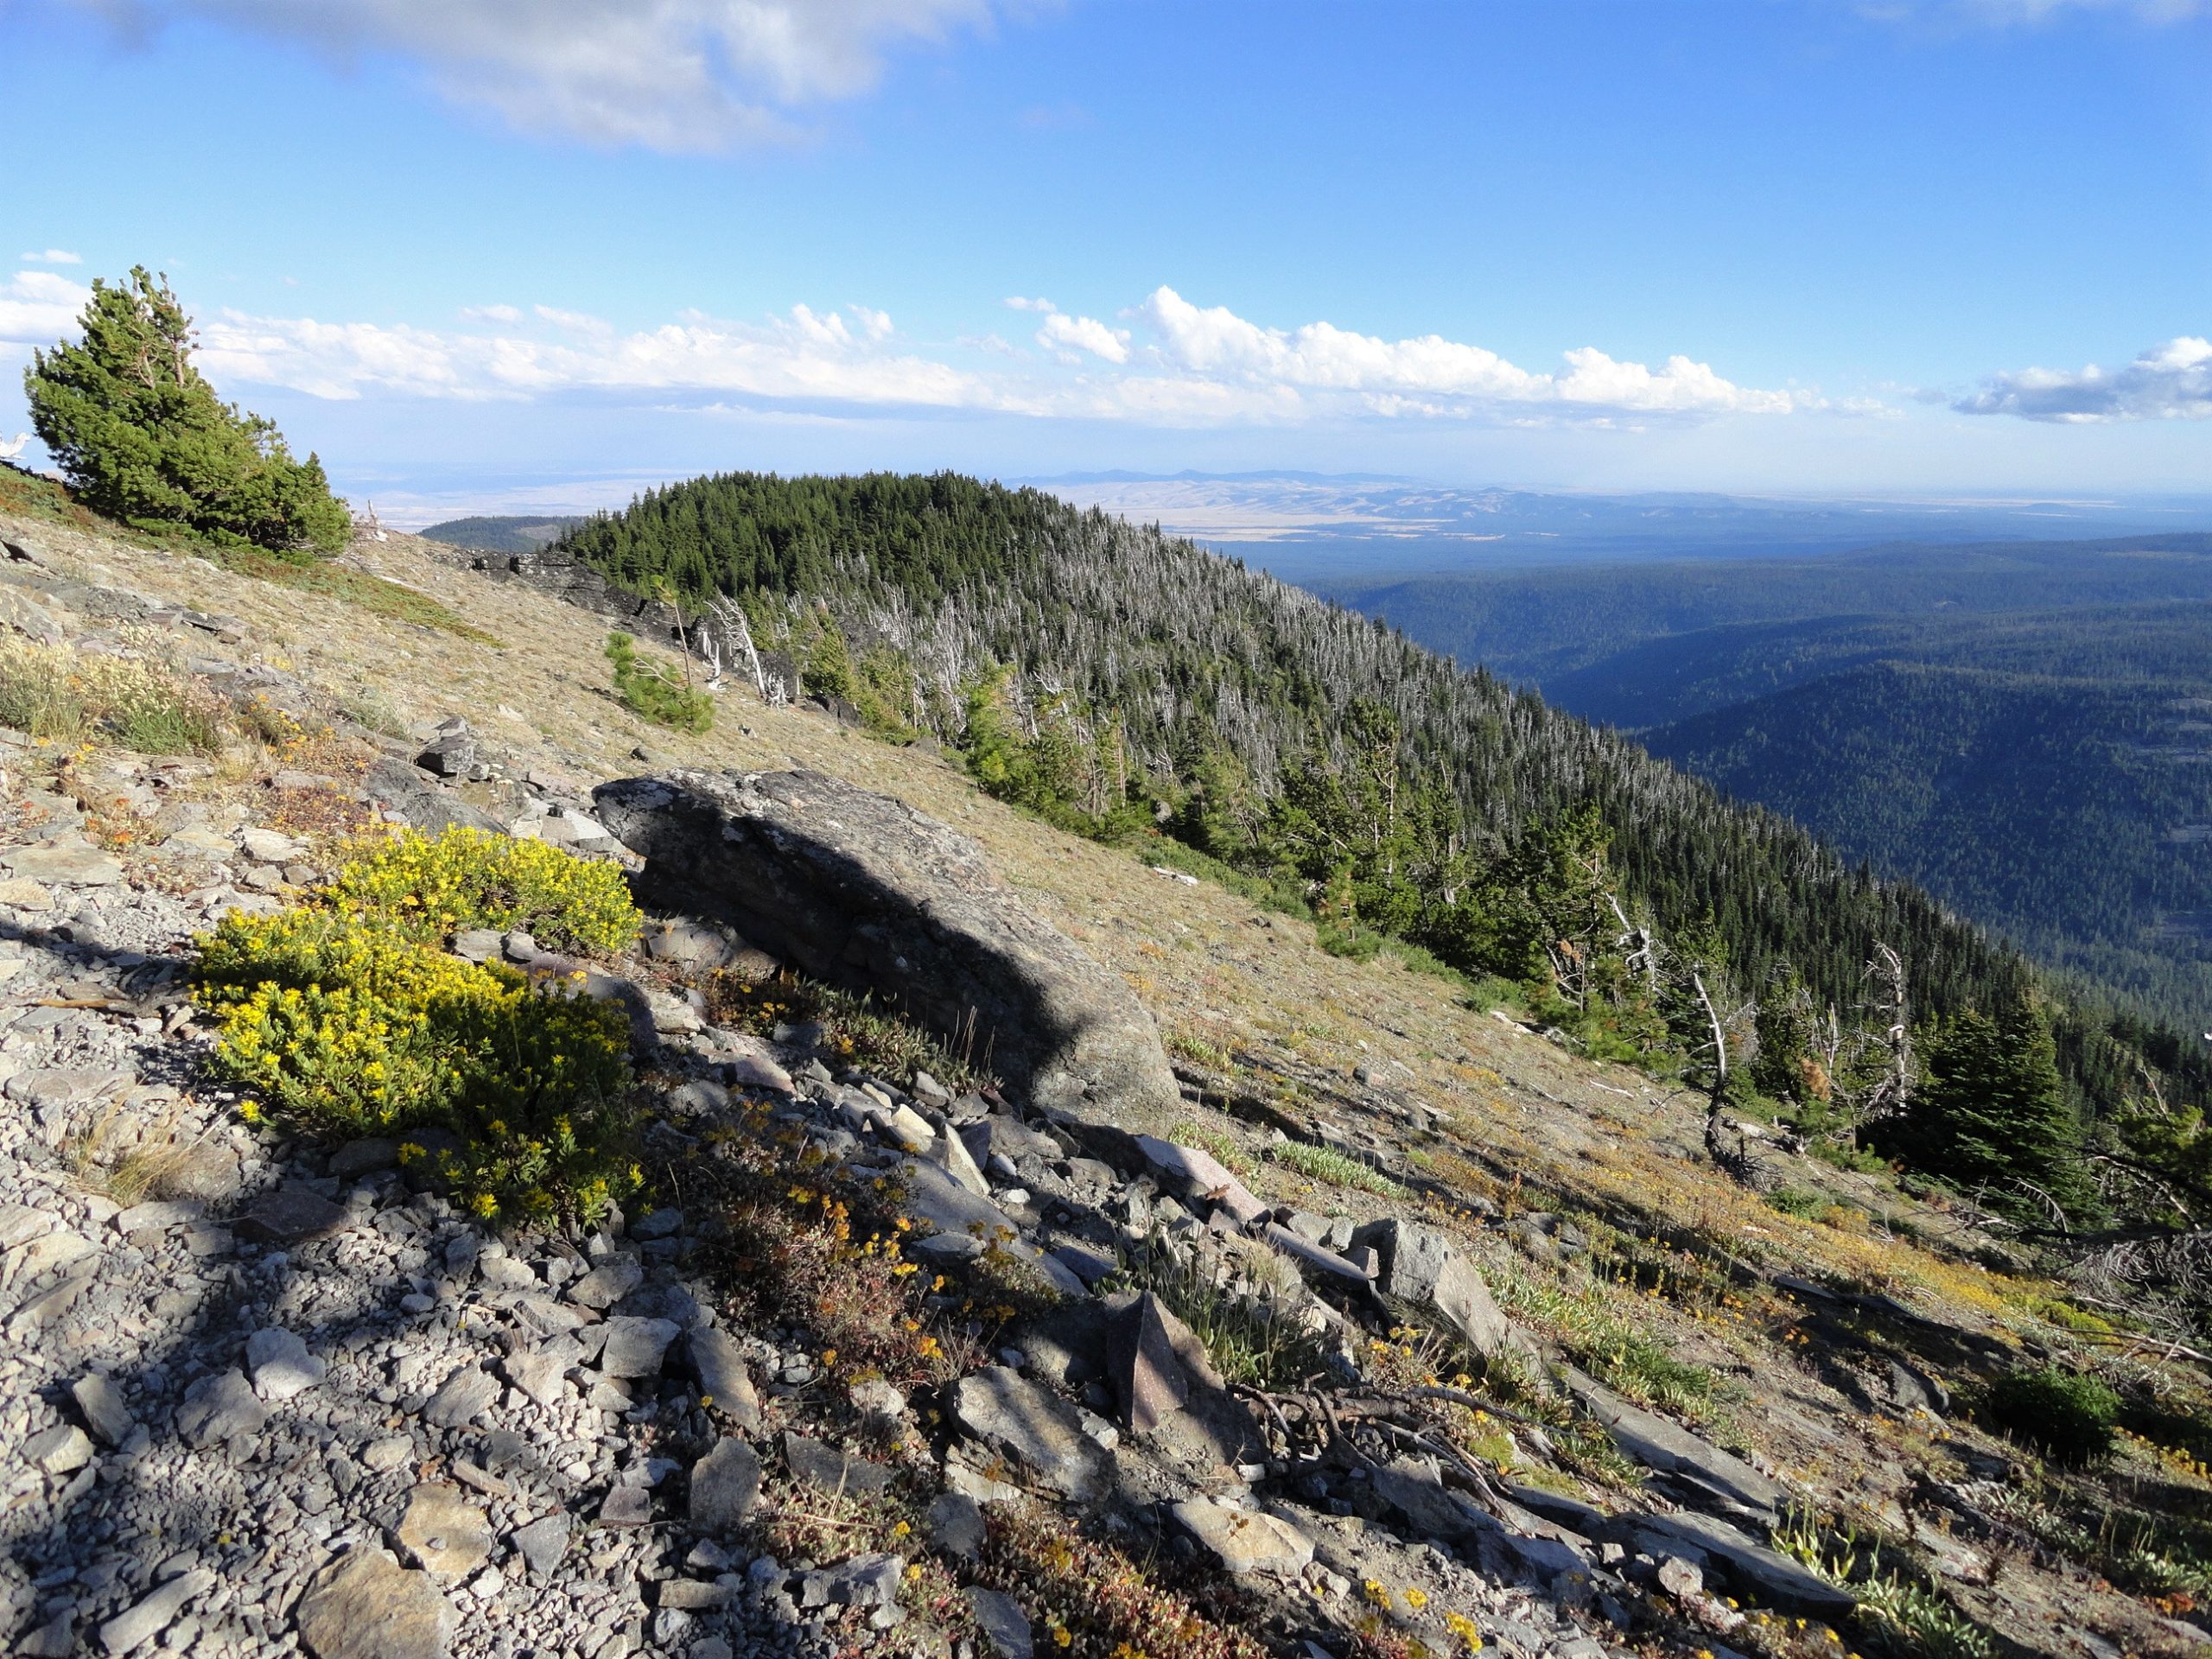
(1928, 246)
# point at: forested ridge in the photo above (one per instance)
(1129, 683)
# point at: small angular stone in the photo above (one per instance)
(462, 1398)
(105, 1414)
(542, 1542)
(635, 1347)
(626, 1506)
(725, 1485)
(281, 1364)
(606, 1285)
(219, 1408)
(58, 1451)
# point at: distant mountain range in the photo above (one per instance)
(2025, 729)
(1309, 527)
(513, 533)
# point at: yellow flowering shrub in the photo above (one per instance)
(431, 888)
(341, 1025)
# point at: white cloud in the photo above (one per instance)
(579, 321)
(1016, 302)
(1066, 334)
(1181, 366)
(678, 76)
(2172, 381)
(39, 307)
(1404, 376)
(804, 356)
(52, 257)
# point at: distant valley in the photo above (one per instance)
(2024, 727)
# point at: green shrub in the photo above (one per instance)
(1801, 1201)
(430, 888)
(2065, 1414)
(141, 436)
(650, 692)
(340, 1026)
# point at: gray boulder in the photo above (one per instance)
(1420, 1264)
(861, 890)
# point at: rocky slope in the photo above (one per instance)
(1377, 1321)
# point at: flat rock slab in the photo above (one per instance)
(1657, 1443)
(462, 1398)
(1038, 1432)
(863, 890)
(1758, 1573)
(449, 1534)
(66, 1085)
(68, 861)
(1245, 1541)
(725, 1385)
(725, 1485)
(366, 1605)
(291, 1215)
(829, 1470)
(153, 1612)
(1198, 1175)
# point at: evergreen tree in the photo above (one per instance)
(141, 437)
(1784, 1068)
(1992, 1116)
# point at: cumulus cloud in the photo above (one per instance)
(1015, 301)
(52, 257)
(2172, 381)
(1069, 334)
(1403, 377)
(1177, 364)
(805, 356)
(677, 75)
(39, 307)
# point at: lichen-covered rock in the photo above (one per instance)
(863, 890)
